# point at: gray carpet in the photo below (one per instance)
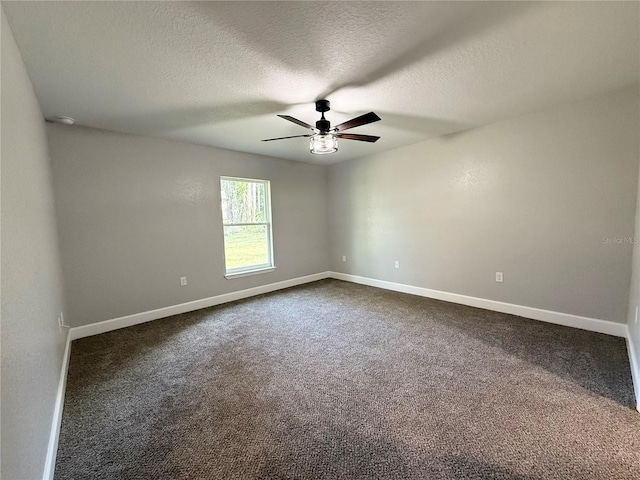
(333, 380)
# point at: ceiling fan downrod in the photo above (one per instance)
(323, 124)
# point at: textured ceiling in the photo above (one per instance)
(217, 73)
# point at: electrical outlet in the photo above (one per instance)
(344, 258)
(397, 264)
(499, 277)
(183, 281)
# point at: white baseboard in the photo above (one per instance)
(137, 318)
(52, 449)
(635, 368)
(566, 319)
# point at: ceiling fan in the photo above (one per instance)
(324, 138)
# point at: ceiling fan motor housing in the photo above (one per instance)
(323, 125)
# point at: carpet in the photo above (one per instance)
(333, 380)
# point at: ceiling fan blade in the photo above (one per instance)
(355, 136)
(296, 121)
(282, 138)
(356, 122)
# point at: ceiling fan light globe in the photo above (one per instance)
(323, 144)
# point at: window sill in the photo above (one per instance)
(229, 276)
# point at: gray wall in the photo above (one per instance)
(32, 346)
(137, 213)
(532, 197)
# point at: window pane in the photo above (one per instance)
(246, 246)
(243, 201)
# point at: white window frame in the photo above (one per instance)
(269, 266)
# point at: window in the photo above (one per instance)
(246, 219)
